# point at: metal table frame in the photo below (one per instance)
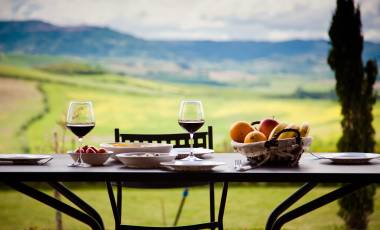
(277, 219)
(116, 205)
(311, 172)
(86, 214)
(89, 216)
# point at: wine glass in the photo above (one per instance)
(80, 120)
(191, 118)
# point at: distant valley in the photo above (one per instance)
(192, 61)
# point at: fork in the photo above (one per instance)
(42, 163)
(238, 166)
(46, 161)
(318, 157)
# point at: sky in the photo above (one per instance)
(266, 20)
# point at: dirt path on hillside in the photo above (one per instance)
(19, 101)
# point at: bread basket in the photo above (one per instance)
(275, 152)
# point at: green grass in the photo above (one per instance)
(139, 113)
(138, 105)
(24, 60)
(247, 208)
(144, 106)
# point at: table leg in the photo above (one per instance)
(77, 201)
(115, 210)
(212, 202)
(288, 202)
(119, 198)
(210, 225)
(56, 204)
(222, 205)
(316, 203)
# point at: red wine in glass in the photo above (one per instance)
(191, 126)
(80, 120)
(191, 118)
(80, 130)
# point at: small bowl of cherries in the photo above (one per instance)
(91, 155)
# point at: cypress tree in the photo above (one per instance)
(354, 87)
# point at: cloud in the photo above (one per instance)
(197, 19)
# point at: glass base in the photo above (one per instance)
(78, 165)
(191, 158)
(73, 165)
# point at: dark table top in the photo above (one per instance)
(309, 170)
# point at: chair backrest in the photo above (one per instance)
(179, 140)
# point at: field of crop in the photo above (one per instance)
(138, 105)
(33, 106)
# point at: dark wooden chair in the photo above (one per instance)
(179, 140)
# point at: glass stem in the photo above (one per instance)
(191, 144)
(79, 160)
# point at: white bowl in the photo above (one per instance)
(136, 147)
(93, 159)
(141, 160)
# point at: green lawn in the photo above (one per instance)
(137, 105)
(247, 207)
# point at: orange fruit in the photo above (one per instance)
(239, 130)
(255, 136)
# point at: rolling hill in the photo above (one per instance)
(38, 37)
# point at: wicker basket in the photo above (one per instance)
(274, 152)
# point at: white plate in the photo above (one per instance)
(181, 153)
(141, 160)
(136, 147)
(180, 165)
(17, 158)
(349, 158)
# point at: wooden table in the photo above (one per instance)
(310, 171)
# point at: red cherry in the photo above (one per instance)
(93, 148)
(101, 150)
(90, 150)
(78, 150)
(84, 148)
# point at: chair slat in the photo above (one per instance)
(201, 139)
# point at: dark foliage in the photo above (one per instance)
(354, 88)
(73, 69)
(301, 93)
